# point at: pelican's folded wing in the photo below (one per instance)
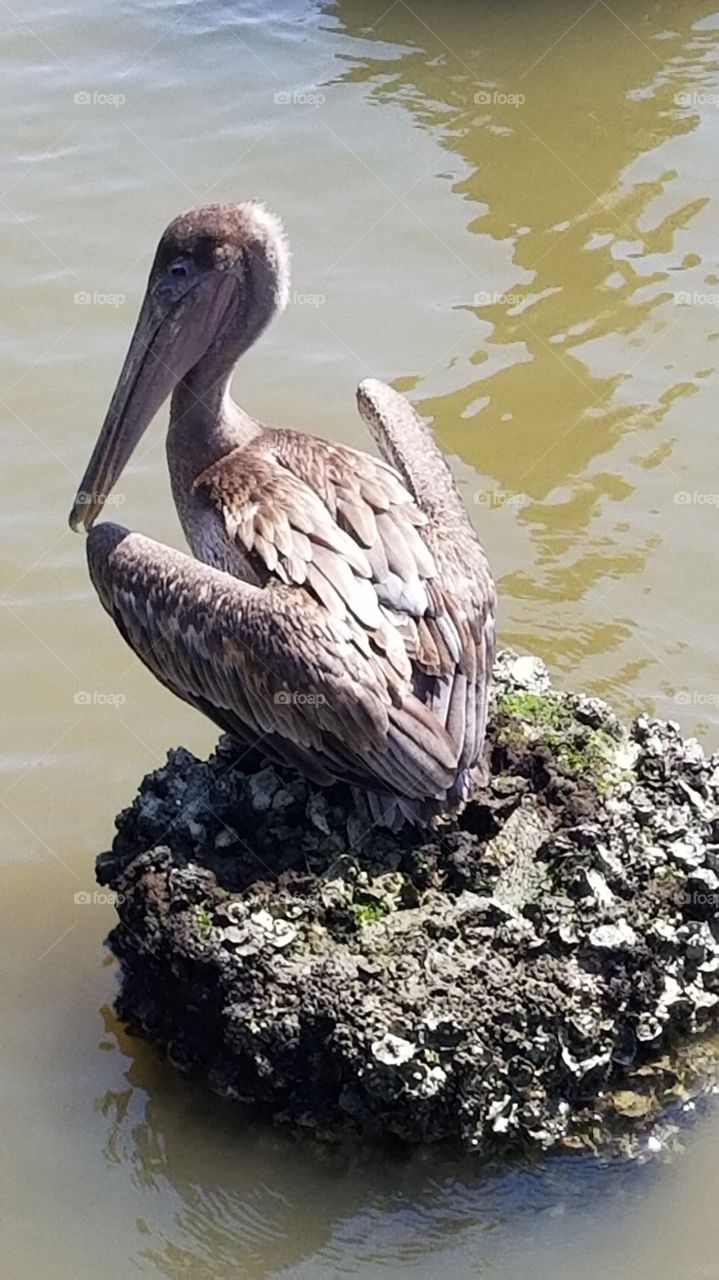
(336, 523)
(464, 595)
(270, 666)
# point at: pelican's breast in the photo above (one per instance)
(208, 540)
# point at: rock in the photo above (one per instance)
(613, 937)
(502, 978)
(318, 812)
(528, 673)
(632, 1104)
(393, 1051)
(598, 887)
(263, 788)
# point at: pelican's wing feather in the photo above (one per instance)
(338, 523)
(277, 520)
(271, 666)
(464, 593)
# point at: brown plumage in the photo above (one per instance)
(339, 610)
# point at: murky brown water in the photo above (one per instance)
(511, 208)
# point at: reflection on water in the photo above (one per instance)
(241, 1216)
(508, 210)
(587, 218)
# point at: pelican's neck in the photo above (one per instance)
(204, 426)
(205, 422)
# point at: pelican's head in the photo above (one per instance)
(220, 273)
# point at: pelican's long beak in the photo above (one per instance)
(166, 344)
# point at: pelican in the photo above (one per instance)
(337, 609)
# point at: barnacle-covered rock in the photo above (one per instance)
(535, 971)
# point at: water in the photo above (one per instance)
(507, 208)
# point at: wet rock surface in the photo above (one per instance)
(534, 972)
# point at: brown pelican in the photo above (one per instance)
(339, 611)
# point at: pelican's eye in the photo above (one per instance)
(175, 280)
(179, 269)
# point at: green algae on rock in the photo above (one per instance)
(532, 972)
